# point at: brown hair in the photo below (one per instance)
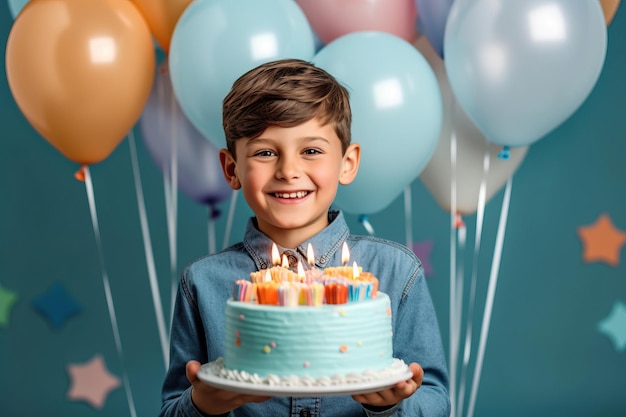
(285, 93)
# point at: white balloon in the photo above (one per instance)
(520, 68)
(471, 146)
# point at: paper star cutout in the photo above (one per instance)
(614, 326)
(56, 305)
(7, 300)
(91, 382)
(602, 241)
(422, 250)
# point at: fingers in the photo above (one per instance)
(380, 398)
(418, 373)
(397, 393)
(191, 370)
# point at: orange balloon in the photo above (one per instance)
(609, 7)
(81, 72)
(162, 16)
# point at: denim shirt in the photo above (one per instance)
(198, 323)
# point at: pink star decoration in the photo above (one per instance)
(614, 326)
(7, 300)
(602, 241)
(91, 382)
(422, 251)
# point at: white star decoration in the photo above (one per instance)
(614, 326)
(91, 382)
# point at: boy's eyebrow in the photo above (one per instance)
(269, 140)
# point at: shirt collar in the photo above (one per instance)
(325, 244)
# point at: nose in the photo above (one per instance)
(288, 168)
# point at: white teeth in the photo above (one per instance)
(298, 194)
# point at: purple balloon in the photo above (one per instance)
(432, 16)
(165, 128)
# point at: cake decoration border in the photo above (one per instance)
(214, 373)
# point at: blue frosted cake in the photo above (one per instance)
(330, 328)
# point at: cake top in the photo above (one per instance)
(279, 285)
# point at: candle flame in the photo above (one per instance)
(301, 274)
(310, 256)
(268, 276)
(345, 254)
(275, 254)
(285, 263)
(355, 270)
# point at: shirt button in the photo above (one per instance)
(292, 259)
(305, 412)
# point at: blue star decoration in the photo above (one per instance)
(56, 305)
(614, 326)
(7, 300)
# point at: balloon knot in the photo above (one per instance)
(505, 153)
(80, 174)
(366, 224)
(458, 222)
(215, 213)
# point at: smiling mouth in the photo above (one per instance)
(297, 194)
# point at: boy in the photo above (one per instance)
(287, 126)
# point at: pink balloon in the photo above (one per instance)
(334, 18)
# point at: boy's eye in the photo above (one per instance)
(312, 151)
(264, 153)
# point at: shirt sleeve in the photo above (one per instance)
(417, 338)
(186, 343)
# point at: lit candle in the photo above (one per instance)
(301, 273)
(285, 263)
(355, 271)
(310, 256)
(345, 253)
(275, 255)
(313, 274)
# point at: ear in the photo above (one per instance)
(351, 160)
(229, 168)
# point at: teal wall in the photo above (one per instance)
(545, 356)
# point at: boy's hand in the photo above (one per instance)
(214, 401)
(395, 394)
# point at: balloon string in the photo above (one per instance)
(460, 284)
(107, 289)
(467, 348)
(145, 232)
(408, 221)
(454, 328)
(229, 219)
(211, 230)
(170, 183)
(170, 210)
(491, 293)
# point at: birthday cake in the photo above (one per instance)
(308, 328)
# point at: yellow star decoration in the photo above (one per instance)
(602, 241)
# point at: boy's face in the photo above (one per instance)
(289, 177)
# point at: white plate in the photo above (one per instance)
(209, 374)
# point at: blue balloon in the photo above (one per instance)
(16, 6)
(520, 68)
(432, 16)
(166, 130)
(216, 41)
(396, 114)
